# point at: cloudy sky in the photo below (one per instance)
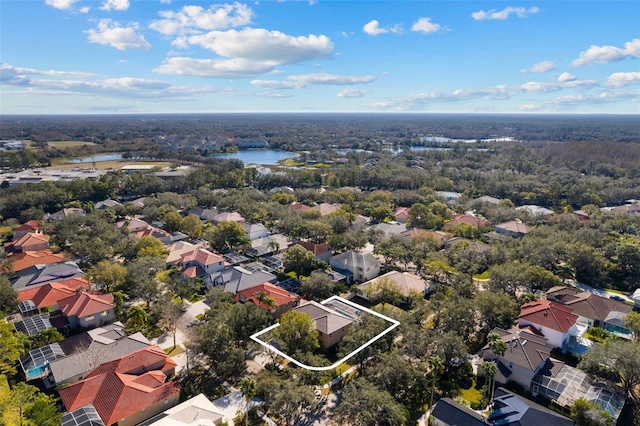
(170, 56)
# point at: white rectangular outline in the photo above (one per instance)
(394, 324)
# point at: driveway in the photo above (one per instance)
(601, 292)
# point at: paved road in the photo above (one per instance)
(601, 292)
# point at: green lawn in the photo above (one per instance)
(482, 276)
(174, 351)
(472, 394)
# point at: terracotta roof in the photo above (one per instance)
(314, 248)
(548, 314)
(299, 207)
(150, 231)
(30, 239)
(402, 213)
(85, 303)
(30, 226)
(280, 295)
(176, 251)
(26, 259)
(124, 386)
(49, 294)
(201, 256)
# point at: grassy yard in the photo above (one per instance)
(68, 144)
(174, 351)
(482, 276)
(472, 395)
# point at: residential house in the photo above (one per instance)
(67, 212)
(475, 245)
(326, 208)
(510, 409)
(514, 228)
(39, 275)
(29, 227)
(284, 301)
(196, 411)
(86, 351)
(33, 241)
(26, 259)
(450, 196)
(488, 199)
(228, 217)
(106, 204)
(554, 321)
(321, 251)
(632, 208)
(401, 214)
(407, 284)
(200, 263)
(236, 279)
(34, 364)
(439, 237)
(636, 298)
(390, 228)
(447, 412)
(526, 355)
(88, 309)
(360, 221)
(133, 225)
(593, 310)
(360, 266)
(299, 207)
(331, 325)
(205, 214)
(48, 295)
(32, 325)
(126, 391)
(471, 220)
(535, 210)
(274, 242)
(176, 250)
(255, 230)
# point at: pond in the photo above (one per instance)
(268, 157)
(96, 158)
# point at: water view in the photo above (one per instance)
(267, 157)
(96, 158)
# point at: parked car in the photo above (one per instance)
(618, 298)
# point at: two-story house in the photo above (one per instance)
(358, 266)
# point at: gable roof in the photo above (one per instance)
(548, 314)
(40, 275)
(440, 237)
(401, 213)
(391, 228)
(117, 393)
(85, 303)
(228, 216)
(467, 219)
(66, 212)
(28, 240)
(514, 226)
(325, 319)
(49, 294)
(30, 226)
(202, 256)
(299, 207)
(176, 250)
(351, 260)
(133, 224)
(26, 259)
(280, 295)
(325, 208)
(315, 248)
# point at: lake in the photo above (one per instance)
(268, 157)
(96, 158)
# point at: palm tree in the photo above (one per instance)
(138, 317)
(490, 369)
(497, 345)
(437, 367)
(265, 300)
(274, 246)
(248, 389)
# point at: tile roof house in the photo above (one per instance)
(438, 236)
(299, 207)
(331, 325)
(526, 355)
(401, 214)
(132, 224)
(284, 300)
(86, 351)
(88, 309)
(228, 217)
(33, 241)
(200, 263)
(321, 251)
(196, 411)
(26, 228)
(406, 283)
(128, 390)
(514, 228)
(592, 309)
(47, 296)
(61, 214)
(39, 275)
(361, 266)
(176, 250)
(467, 219)
(27, 259)
(554, 321)
(326, 208)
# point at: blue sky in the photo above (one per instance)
(161, 56)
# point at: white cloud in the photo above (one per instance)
(606, 54)
(300, 81)
(373, 28)
(565, 77)
(424, 25)
(256, 44)
(620, 79)
(110, 33)
(193, 19)
(165, 1)
(214, 68)
(115, 5)
(60, 4)
(544, 66)
(503, 14)
(352, 93)
(84, 9)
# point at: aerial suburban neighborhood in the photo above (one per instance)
(349, 288)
